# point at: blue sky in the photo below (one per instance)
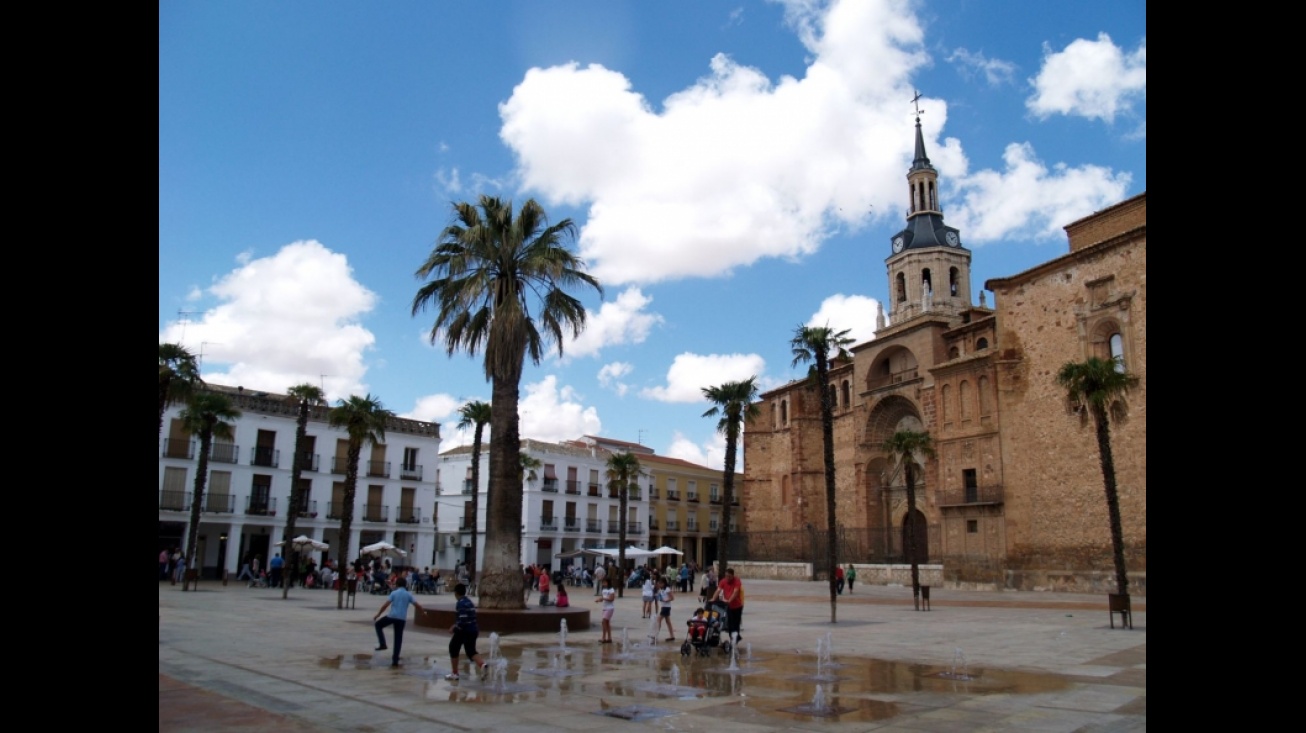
(735, 170)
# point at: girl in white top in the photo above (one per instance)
(609, 598)
(665, 597)
(648, 593)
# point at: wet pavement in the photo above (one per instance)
(241, 659)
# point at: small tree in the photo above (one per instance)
(305, 397)
(364, 419)
(1098, 385)
(474, 415)
(821, 345)
(623, 471)
(903, 446)
(208, 415)
(735, 403)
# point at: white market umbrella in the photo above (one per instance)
(377, 549)
(664, 550)
(304, 543)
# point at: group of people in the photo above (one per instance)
(172, 565)
(840, 577)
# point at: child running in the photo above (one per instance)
(608, 596)
(464, 632)
(665, 597)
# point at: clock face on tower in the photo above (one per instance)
(897, 244)
(951, 238)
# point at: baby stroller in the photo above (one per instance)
(705, 631)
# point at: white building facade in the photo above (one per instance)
(247, 496)
(566, 504)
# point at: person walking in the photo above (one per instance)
(246, 573)
(275, 566)
(543, 583)
(665, 597)
(163, 564)
(178, 567)
(852, 577)
(600, 574)
(647, 594)
(608, 596)
(397, 604)
(838, 579)
(464, 630)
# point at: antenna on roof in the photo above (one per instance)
(640, 433)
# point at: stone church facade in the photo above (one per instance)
(1013, 497)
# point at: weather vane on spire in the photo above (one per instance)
(916, 103)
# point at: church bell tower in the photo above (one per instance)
(929, 269)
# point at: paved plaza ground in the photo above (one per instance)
(233, 658)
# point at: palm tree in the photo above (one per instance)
(497, 282)
(1099, 384)
(208, 415)
(623, 471)
(735, 403)
(364, 420)
(475, 415)
(306, 397)
(529, 465)
(903, 446)
(822, 344)
(179, 377)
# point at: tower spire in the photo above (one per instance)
(921, 161)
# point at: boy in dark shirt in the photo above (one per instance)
(464, 632)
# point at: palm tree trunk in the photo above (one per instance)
(727, 498)
(1112, 497)
(347, 511)
(475, 502)
(910, 539)
(296, 471)
(196, 501)
(500, 587)
(831, 515)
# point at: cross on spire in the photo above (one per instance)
(916, 103)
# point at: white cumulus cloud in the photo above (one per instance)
(690, 373)
(610, 377)
(552, 413)
(282, 320)
(622, 321)
(1093, 79)
(856, 313)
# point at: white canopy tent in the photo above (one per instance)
(632, 553)
(378, 549)
(664, 550)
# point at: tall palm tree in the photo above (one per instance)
(1098, 384)
(179, 377)
(823, 344)
(623, 472)
(306, 397)
(498, 282)
(475, 415)
(735, 402)
(208, 415)
(903, 446)
(364, 420)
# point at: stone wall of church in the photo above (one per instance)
(1056, 515)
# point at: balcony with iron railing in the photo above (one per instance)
(633, 494)
(673, 495)
(378, 469)
(376, 513)
(691, 526)
(571, 524)
(468, 487)
(409, 515)
(673, 525)
(261, 456)
(550, 485)
(593, 525)
(335, 510)
(896, 378)
(692, 497)
(969, 495)
(654, 492)
(220, 504)
(548, 524)
(184, 448)
(308, 510)
(594, 490)
(573, 487)
(224, 453)
(652, 524)
(174, 501)
(261, 506)
(340, 464)
(410, 472)
(713, 525)
(308, 462)
(634, 528)
(714, 499)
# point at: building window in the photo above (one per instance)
(981, 344)
(953, 286)
(784, 413)
(972, 526)
(945, 403)
(963, 394)
(1117, 345)
(847, 394)
(971, 482)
